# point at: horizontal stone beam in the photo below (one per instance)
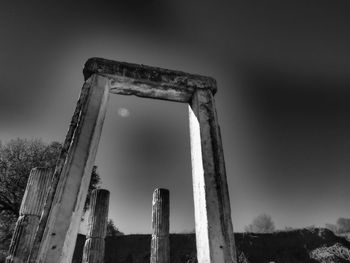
(147, 89)
(162, 78)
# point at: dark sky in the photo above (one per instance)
(282, 69)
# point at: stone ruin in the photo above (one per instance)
(160, 246)
(29, 214)
(94, 247)
(56, 231)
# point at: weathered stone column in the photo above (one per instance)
(56, 243)
(214, 232)
(160, 249)
(97, 227)
(32, 204)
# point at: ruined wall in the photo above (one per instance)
(136, 248)
(279, 247)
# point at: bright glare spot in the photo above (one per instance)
(123, 112)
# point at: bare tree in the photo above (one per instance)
(17, 158)
(261, 224)
(332, 227)
(112, 230)
(343, 225)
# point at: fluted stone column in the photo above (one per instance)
(97, 227)
(160, 250)
(32, 204)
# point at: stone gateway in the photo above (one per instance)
(57, 232)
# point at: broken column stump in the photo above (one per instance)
(160, 250)
(29, 215)
(97, 227)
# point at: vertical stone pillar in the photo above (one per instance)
(56, 243)
(32, 204)
(97, 227)
(160, 249)
(214, 231)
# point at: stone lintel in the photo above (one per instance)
(148, 89)
(146, 74)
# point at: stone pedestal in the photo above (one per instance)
(32, 204)
(95, 239)
(160, 250)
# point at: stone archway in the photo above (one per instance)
(57, 232)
